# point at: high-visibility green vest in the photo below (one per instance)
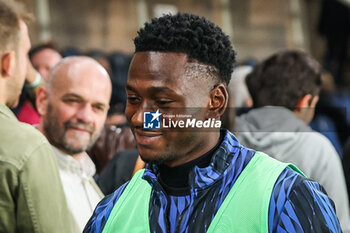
(245, 208)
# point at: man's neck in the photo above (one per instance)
(76, 156)
(174, 180)
(212, 140)
(301, 116)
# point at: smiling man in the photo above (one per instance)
(74, 106)
(199, 180)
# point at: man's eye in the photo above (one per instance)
(71, 100)
(99, 108)
(133, 100)
(164, 102)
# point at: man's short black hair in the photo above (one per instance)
(283, 79)
(196, 36)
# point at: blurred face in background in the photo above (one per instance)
(44, 60)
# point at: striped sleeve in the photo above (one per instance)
(301, 205)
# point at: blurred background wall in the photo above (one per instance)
(257, 27)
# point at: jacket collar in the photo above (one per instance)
(84, 168)
(6, 111)
(200, 178)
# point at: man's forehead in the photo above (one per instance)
(152, 87)
(153, 60)
(163, 68)
(82, 93)
(76, 68)
(84, 67)
(158, 61)
(47, 52)
(173, 56)
(86, 79)
(76, 94)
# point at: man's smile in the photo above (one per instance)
(144, 137)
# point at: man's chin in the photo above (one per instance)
(80, 136)
(155, 161)
(74, 149)
(153, 157)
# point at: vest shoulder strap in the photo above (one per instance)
(131, 209)
(246, 207)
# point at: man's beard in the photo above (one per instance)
(57, 135)
(160, 159)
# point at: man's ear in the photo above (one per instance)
(304, 102)
(7, 64)
(218, 101)
(41, 101)
(305, 109)
(314, 101)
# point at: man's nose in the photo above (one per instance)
(85, 113)
(136, 113)
(137, 117)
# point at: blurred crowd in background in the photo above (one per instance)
(114, 153)
(332, 115)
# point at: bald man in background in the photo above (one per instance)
(73, 106)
